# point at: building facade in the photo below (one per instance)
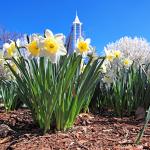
(76, 32)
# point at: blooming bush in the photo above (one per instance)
(54, 85)
(135, 49)
(125, 77)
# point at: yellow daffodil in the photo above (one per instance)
(52, 46)
(127, 62)
(110, 56)
(83, 46)
(33, 48)
(117, 54)
(9, 49)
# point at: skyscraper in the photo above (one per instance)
(76, 32)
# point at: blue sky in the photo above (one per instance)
(104, 21)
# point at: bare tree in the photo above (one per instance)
(5, 36)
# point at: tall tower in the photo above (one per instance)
(76, 32)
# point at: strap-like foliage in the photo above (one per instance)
(56, 93)
(129, 90)
(9, 95)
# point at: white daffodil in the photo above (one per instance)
(83, 47)
(33, 46)
(9, 49)
(109, 56)
(52, 46)
(127, 62)
(117, 54)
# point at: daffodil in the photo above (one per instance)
(33, 48)
(9, 49)
(127, 62)
(117, 54)
(109, 56)
(52, 46)
(33, 45)
(83, 46)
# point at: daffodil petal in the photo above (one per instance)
(62, 50)
(53, 58)
(60, 37)
(88, 41)
(41, 42)
(6, 46)
(48, 33)
(18, 43)
(34, 37)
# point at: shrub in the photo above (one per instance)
(136, 49)
(125, 78)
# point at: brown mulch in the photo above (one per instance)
(89, 133)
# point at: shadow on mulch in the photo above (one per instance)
(112, 118)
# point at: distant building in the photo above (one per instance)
(76, 32)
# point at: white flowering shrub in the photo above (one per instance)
(124, 74)
(122, 53)
(136, 49)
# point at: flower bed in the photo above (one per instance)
(89, 132)
(57, 87)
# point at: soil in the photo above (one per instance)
(90, 132)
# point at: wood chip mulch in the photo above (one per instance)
(90, 132)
